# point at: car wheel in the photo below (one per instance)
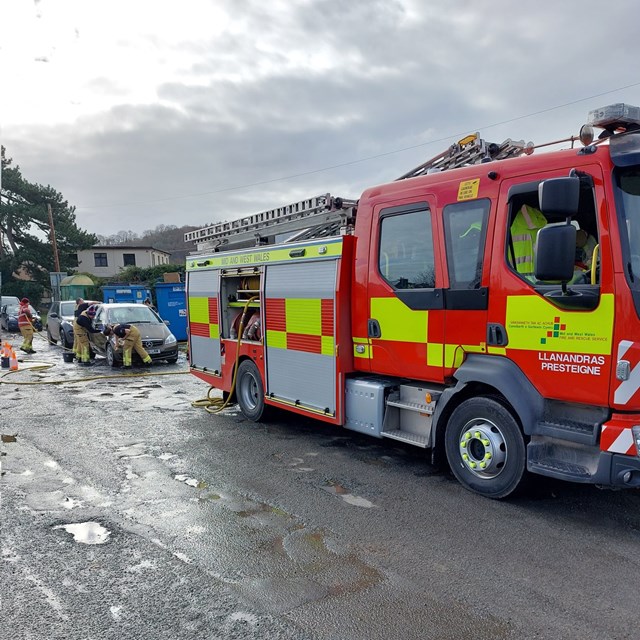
(50, 337)
(486, 448)
(172, 360)
(111, 356)
(249, 391)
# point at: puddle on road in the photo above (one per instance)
(192, 482)
(241, 616)
(137, 397)
(277, 595)
(86, 532)
(136, 450)
(209, 496)
(310, 566)
(349, 498)
(296, 464)
(70, 503)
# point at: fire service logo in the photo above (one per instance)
(557, 330)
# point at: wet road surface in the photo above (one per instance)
(127, 513)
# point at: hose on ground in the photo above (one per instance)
(215, 405)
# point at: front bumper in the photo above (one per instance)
(625, 471)
(166, 354)
(582, 463)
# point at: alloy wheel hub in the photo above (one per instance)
(482, 448)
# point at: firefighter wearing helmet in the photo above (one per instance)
(131, 340)
(82, 327)
(25, 324)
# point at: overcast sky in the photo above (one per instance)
(144, 112)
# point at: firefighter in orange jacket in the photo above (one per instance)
(131, 340)
(82, 327)
(25, 324)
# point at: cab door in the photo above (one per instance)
(466, 293)
(562, 343)
(405, 304)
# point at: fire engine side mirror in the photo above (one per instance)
(555, 253)
(559, 197)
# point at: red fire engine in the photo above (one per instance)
(484, 306)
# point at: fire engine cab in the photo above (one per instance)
(484, 306)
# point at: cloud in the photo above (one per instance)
(161, 118)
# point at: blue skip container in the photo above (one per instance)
(172, 306)
(125, 293)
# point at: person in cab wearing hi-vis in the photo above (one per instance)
(82, 327)
(25, 324)
(131, 341)
(524, 232)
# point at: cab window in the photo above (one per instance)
(526, 220)
(406, 257)
(465, 227)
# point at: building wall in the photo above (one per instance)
(115, 259)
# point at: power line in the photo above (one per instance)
(359, 160)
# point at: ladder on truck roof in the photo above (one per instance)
(261, 228)
(472, 149)
(324, 215)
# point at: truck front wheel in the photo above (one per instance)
(249, 391)
(486, 448)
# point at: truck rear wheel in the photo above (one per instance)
(486, 448)
(249, 391)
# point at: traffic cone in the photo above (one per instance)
(4, 357)
(13, 361)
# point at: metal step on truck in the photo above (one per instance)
(484, 306)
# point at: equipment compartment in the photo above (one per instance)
(240, 293)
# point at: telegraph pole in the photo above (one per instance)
(53, 239)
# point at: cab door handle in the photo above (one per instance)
(373, 329)
(496, 335)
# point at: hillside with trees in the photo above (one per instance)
(166, 237)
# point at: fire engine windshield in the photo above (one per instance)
(628, 184)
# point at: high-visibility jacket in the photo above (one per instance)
(584, 253)
(24, 316)
(524, 231)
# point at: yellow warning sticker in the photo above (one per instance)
(468, 189)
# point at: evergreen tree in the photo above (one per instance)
(25, 240)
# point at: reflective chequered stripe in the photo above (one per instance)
(299, 315)
(204, 323)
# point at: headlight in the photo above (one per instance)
(170, 339)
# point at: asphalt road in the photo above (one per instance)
(127, 513)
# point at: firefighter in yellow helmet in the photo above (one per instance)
(82, 327)
(25, 324)
(129, 336)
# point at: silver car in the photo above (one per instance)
(157, 340)
(60, 323)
